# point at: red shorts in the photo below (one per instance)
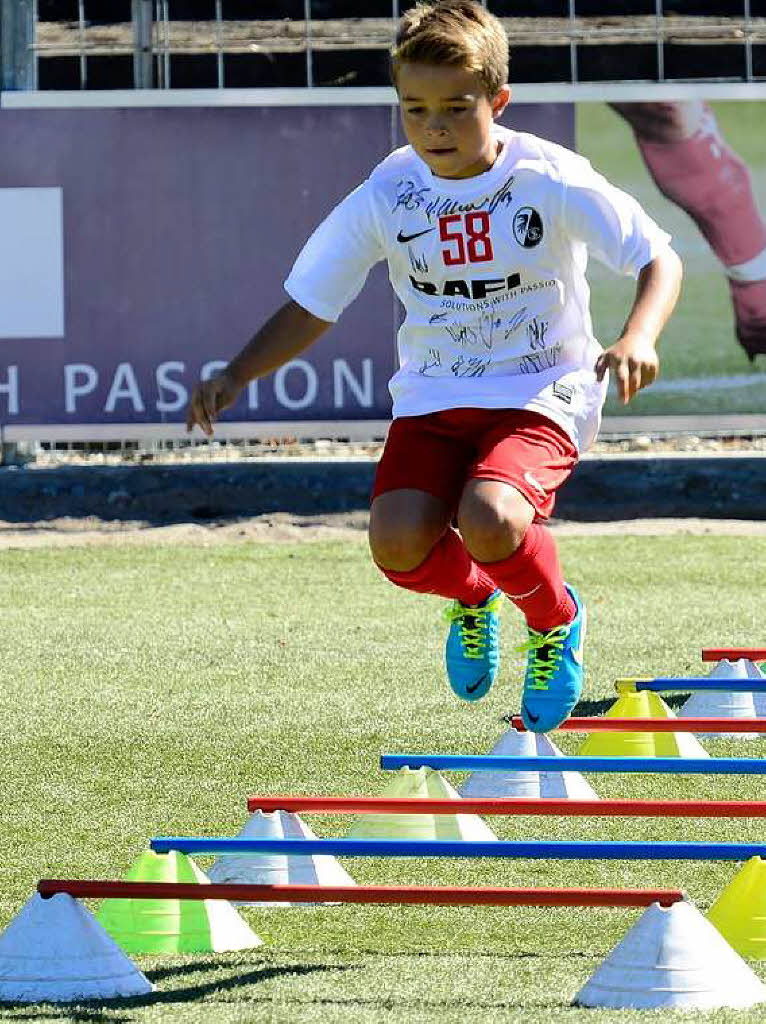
(441, 451)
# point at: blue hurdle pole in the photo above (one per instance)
(539, 849)
(664, 684)
(645, 765)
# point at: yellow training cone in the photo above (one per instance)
(643, 704)
(162, 926)
(739, 913)
(426, 784)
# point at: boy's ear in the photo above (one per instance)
(501, 100)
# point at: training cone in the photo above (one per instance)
(54, 951)
(427, 784)
(643, 704)
(739, 913)
(723, 703)
(173, 926)
(759, 699)
(672, 958)
(510, 783)
(279, 868)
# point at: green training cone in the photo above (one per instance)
(161, 926)
(739, 913)
(643, 704)
(426, 784)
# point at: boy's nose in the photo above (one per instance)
(435, 126)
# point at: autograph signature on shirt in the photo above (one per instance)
(480, 332)
(536, 331)
(432, 359)
(539, 362)
(517, 320)
(470, 366)
(410, 195)
(419, 263)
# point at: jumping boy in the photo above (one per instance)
(486, 232)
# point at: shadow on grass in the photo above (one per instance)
(592, 708)
(250, 977)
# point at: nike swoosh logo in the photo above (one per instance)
(477, 684)
(530, 716)
(401, 237)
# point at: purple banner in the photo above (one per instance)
(141, 248)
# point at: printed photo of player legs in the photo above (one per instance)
(695, 168)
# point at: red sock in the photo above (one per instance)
(708, 180)
(531, 578)
(448, 571)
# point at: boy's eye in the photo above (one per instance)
(414, 110)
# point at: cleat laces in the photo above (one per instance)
(473, 625)
(547, 649)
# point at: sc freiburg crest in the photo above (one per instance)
(527, 227)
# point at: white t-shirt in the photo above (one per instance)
(491, 273)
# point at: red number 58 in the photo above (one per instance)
(468, 238)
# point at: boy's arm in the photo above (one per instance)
(289, 331)
(633, 357)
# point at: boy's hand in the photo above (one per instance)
(209, 398)
(634, 362)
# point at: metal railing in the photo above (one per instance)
(153, 39)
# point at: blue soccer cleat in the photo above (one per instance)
(554, 677)
(472, 646)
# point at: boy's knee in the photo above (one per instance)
(400, 546)
(404, 526)
(493, 522)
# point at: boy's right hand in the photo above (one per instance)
(209, 398)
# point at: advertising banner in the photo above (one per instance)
(699, 170)
(140, 248)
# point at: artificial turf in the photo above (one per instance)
(148, 690)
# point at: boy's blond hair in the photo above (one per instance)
(456, 33)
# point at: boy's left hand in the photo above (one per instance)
(634, 362)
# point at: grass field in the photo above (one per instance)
(148, 690)
(699, 341)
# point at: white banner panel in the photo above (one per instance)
(31, 263)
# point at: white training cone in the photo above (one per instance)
(510, 782)
(278, 868)
(422, 783)
(672, 958)
(54, 951)
(753, 672)
(723, 703)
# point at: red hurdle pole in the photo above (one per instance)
(654, 724)
(443, 896)
(513, 805)
(733, 653)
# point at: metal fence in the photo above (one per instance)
(73, 44)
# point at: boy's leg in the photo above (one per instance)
(414, 546)
(412, 542)
(694, 167)
(523, 460)
(526, 567)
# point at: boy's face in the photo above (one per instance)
(447, 118)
